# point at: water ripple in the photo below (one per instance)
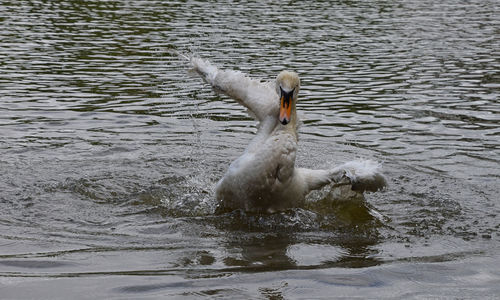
(110, 150)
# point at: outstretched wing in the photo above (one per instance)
(363, 176)
(259, 98)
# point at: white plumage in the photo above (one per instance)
(264, 178)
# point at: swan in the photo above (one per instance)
(264, 178)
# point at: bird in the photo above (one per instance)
(265, 179)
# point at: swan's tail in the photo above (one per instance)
(363, 175)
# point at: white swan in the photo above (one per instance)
(264, 178)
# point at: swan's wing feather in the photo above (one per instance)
(259, 98)
(364, 175)
(313, 179)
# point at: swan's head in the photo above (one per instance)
(287, 87)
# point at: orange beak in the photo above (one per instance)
(285, 107)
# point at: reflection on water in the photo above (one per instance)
(109, 150)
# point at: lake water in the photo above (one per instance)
(110, 149)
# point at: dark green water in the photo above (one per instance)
(109, 149)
